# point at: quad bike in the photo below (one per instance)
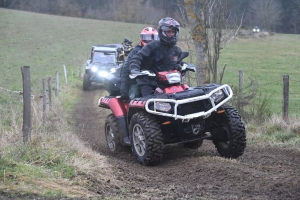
(175, 113)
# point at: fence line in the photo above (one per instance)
(27, 97)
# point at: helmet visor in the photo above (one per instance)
(168, 28)
(149, 37)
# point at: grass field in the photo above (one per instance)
(46, 43)
(266, 59)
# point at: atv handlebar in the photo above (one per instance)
(135, 73)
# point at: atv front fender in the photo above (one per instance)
(117, 106)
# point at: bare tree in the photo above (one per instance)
(267, 13)
(212, 26)
(223, 27)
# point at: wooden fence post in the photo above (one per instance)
(49, 92)
(44, 101)
(285, 107)
(26, 103)
(56, 83)
(240, 95)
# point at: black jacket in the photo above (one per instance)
(125, 80)
(156, 56)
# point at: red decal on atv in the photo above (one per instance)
(104, 102)
(173, 89)
(137, 104)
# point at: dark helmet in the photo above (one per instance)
(147, 35)
(167, 24)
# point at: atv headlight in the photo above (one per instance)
(217, 96)
(174, 77)
(94, 68)
(163, 106)
(103, 73)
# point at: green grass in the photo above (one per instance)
(266, 60)
(47, 42)
(54, 163)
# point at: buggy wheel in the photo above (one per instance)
(231, 142)
(146, 138)
(86, 82)
(112, 133)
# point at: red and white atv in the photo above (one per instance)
(176, 113)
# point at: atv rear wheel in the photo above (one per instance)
(231, 135)
(86, 82)
(146, 138)
(112, 133)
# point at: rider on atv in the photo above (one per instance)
(159, 55)
(170, 111)
(128, 87)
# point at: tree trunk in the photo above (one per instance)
(196, 17)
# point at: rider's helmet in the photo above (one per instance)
(147, 35)
(167, 24)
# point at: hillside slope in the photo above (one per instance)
(47, 42)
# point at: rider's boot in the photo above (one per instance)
(123, 127)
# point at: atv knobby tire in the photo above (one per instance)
(146, 138)
(112, 133)
(233, 144)
(86, 82)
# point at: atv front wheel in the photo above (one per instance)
(230, 136)
(146, 138)
(86, 82)
(112, 133)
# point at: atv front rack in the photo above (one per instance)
(185, 118)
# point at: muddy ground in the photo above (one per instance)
(261, 173)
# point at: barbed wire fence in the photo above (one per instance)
(286, 99)
(25, 97)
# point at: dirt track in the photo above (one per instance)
(261, 173)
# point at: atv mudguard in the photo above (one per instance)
(117, 106)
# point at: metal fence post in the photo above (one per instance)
(66, 77)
